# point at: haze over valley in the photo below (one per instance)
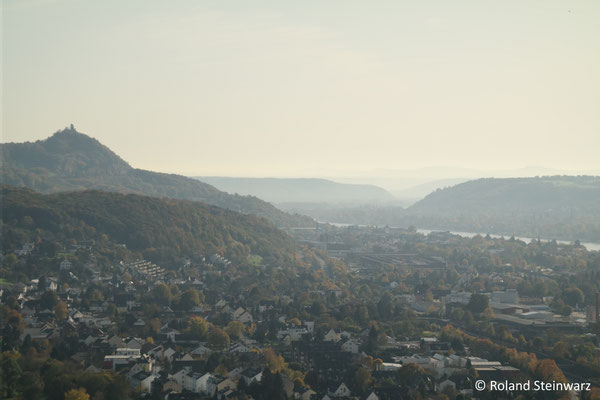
(311, 200)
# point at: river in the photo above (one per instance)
(588, 245)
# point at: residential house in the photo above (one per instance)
(196, 382)
(332, 336)
(251, 375)
(351, 346)
(142, 381)
(340, 390)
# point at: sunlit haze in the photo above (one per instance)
(309, 88)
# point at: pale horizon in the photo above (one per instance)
(311, 89)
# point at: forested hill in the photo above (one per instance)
(286, 190)
(553, 194)
(158, 227)
(554, 207)
(69, 161)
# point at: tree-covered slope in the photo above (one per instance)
(70, 160)
(571, 194)
(159, 227)
(555, 207)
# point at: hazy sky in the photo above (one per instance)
(280, 88)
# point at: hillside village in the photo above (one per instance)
(177, 334)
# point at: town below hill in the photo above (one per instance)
(99, 303)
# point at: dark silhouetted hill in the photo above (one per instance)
(70, 161)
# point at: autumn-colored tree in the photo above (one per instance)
(61, 311)
(275, 362)
(560, 349)
(218, 337)
(409, 372)
(77, 394)
(548, 371)
(594, 394)
(234, 329)
(153, 325)
(198, 327)
(221, 370)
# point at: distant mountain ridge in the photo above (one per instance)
(540, 194)
(292, 190)
(70, 160)
(552, 207)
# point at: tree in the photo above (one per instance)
(538, 343)
(478, 303)
(318, 308)
(12, 329)
(385, 306)
(61, 310)
(161, 294)
(218, 337)
(362, 378)
(112, 310)
(269, 388)
(234, 329)
(197, 327)
(585, 350)
(573, 296)
(409, 373)
(26, 345)
(48, 300)
(221, 370)
(153, 325)
(548, 371)
(375, 339)
(566, 310)
(468, 318)
(560, 349)
(275, 362)
(77, 394)
(189, 299)
(117, 388)
(95, 294)
(363, 314)
(10, 371)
